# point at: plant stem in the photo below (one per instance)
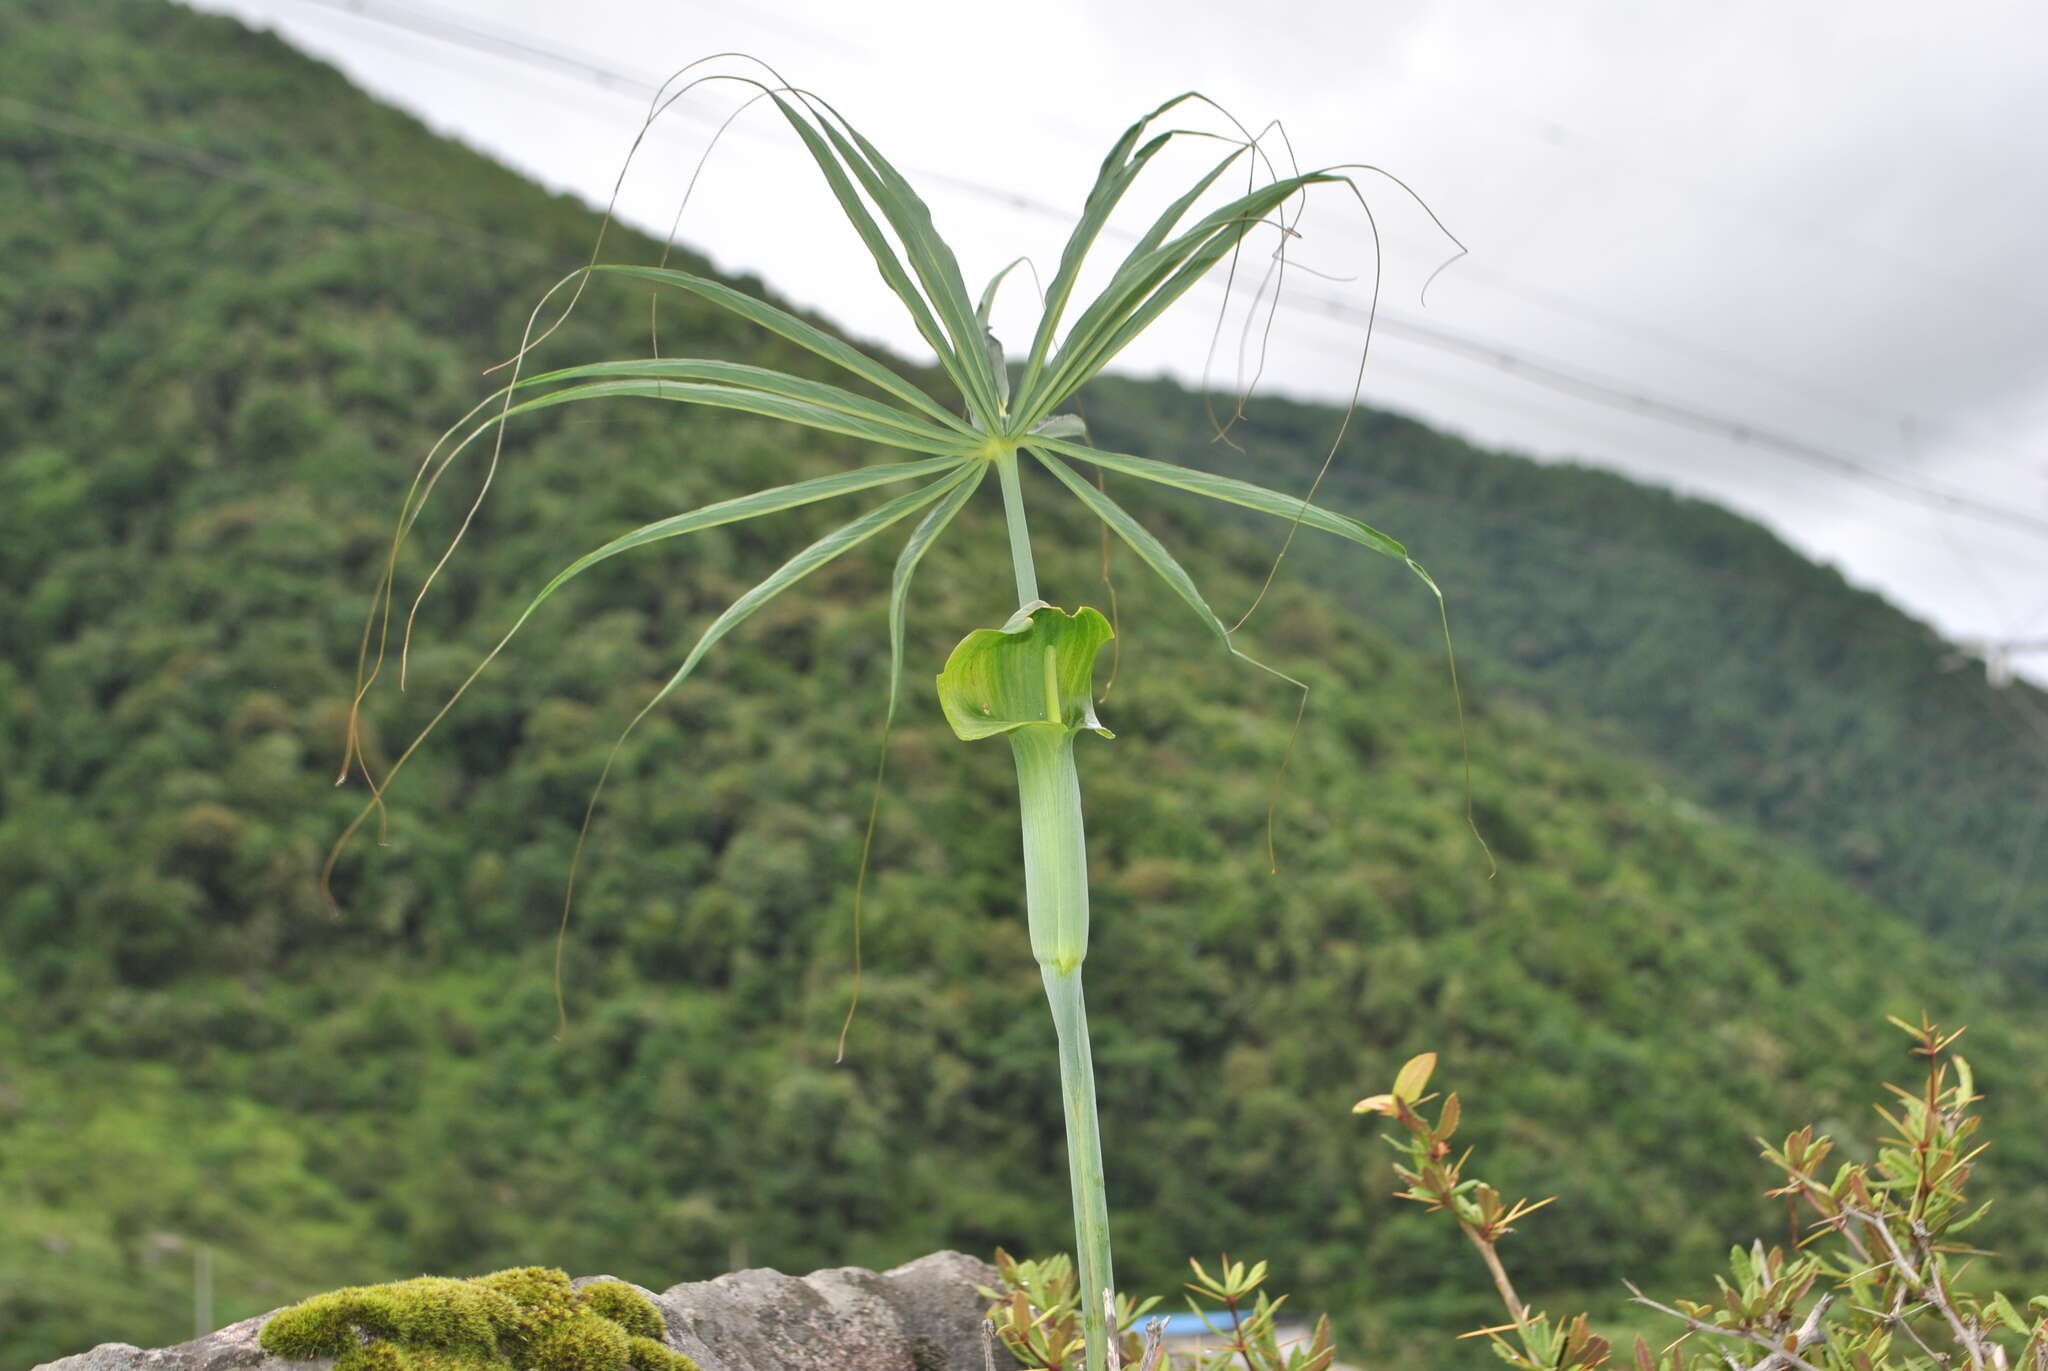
(1020, 532)
(1056, 898)
(1517, 1311)
(1084, 1160)
(1056, 904)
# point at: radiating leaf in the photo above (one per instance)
(956, 343)
(833, 545)
(748, 400)
(772, 382)
(1140, 540)
(1230, 490)
(1147, 285)
(1119, 169)
(1172, 214)
(784, 324)
(921, 539)
(1068, 426)
(931, 256)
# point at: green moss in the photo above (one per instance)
(440, 1359)
(624, 1306)
(320, 1327)
(650, 1355)
(435, 1311)
(586, 1342)
(526, 1317)
(371, 1356)
(543, 1297)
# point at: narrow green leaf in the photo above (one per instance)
(771, 501)
(1069, 426)
(1230, 490)
(921, 539)
(1149, 549)
(833, 545)
(999, 366)
(996, 360)
(1146, 286)
(752, 506)
(784, 324)
(1154, 554)
(927, 532)
(750, 401)
(1118, 171)
(931, 256)
(817, 393)
(988, 292)
(958, 350)
(1172, 214)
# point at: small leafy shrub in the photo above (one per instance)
(1036, 1315)
(1876, 1285)
(528, 1317)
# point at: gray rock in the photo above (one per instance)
(924, 1316)
(935, 1298)
(233, 1348)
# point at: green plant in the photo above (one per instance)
(1246, 1322)
(1036, 1315)
(1031, 678)
(528, 1317)
(1436, 1179)
(1879, 1282)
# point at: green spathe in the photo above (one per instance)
(1032, 679)
(1035, 672)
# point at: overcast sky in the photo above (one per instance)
(1824, 222)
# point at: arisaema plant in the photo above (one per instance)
(1029, 679)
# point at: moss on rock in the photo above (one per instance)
(371, 1356)
(584, 1342)
(624, 1306)
(647, 1354)
(542, 1297)
(527, 1318)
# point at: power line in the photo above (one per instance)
(1511, 361)
(1620, 395)
(1734, 363)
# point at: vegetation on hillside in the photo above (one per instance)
(1764, 686)
(226, 364)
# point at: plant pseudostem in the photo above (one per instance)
(1032, 680)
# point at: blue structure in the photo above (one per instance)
(1192, 1325)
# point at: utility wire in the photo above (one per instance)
(1511, 361)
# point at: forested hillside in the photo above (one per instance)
(243, 299)
(1763, 685)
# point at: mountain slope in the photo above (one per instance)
(255, 295)
(1762, 684)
